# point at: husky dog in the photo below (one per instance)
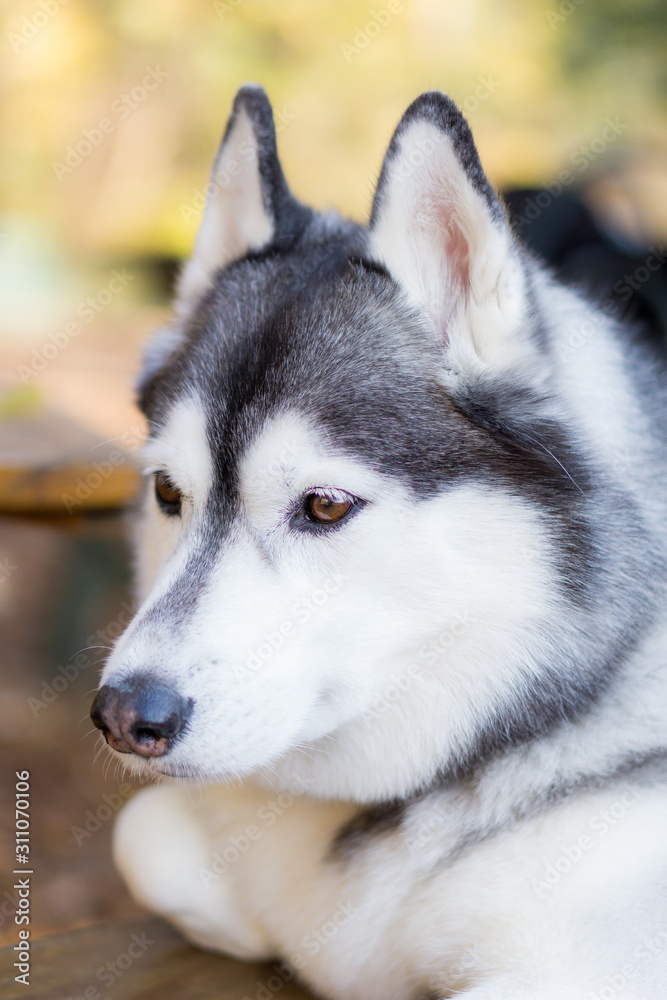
(402, 569)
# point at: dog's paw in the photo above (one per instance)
(160, 849)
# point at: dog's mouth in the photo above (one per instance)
(172, 774)
(145, 770)
(176, 771)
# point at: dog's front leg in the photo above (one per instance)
(255, 874)
(227, 866)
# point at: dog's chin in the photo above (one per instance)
(182, 774)
(144, 770)
(151, 769)
(170, 769)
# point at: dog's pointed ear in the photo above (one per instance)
(248, 204)
(438, 227)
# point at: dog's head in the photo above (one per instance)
(364, 556)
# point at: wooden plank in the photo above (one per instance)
(48, 464)
(137, 960)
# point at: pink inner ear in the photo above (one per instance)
(456, 247)
(451, 249)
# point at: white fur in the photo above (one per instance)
(235, 218)
(327, 672)
(183, 450)
(454, 637)
(436, 236)
(411, 929)
(396, 924)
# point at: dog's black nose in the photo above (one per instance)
(142, 715)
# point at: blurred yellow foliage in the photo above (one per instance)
(112, 111)
(339, 75)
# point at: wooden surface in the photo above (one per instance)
(50, 465)
(86, 965)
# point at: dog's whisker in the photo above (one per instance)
(85, 649)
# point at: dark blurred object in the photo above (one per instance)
(628, 280)
(161, 273)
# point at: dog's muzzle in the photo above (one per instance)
(142, 715)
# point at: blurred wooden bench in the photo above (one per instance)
(51, 467)
(137, 960)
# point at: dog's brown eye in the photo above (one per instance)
(168, 496)
(325, 510)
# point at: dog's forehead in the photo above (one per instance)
(346, 352)
(291, 454)
(268, 318)
(337, 343)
